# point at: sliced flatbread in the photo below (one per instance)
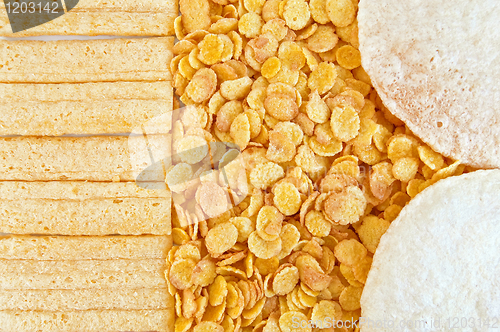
(83, 208)
(99, 158)
(439, 260)
(90, 320)
(100, 91)
(81, 108)
(86, 299)
(436, 66)
(49, 248)
(82, 61)
(87, 274)
(94, 17)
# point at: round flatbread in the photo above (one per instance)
(436, 66)
(439, 261)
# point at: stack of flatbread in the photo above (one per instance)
(68, 168)
(112, 283)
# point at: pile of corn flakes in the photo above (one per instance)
(326, 168)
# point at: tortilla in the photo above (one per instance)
(58, 109)
(439, 259)
(82, 61)
(436, 66)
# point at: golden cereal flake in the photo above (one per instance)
(250, 25)
(287, 198)
(347, 206)
(208, 327)
(341, 12)
(221, 238)
(296, 14)
(322, 78)
(323, 39)
(262, 248)
(265, 175)
(285, 280)
(269, 222)
(350, 252)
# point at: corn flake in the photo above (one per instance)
(208, 327)
(240, 131)
(271, 67)
(317, 110)
(330, 149)
(204, 273)
(281, 106)
(266, 174)
(281, 149)
(211, 49)
(326, 309)
(195, 15)
(345, 207)
(288, 322)
(350, 252)
(180, 273)
(192, 149)
(400, 146)
(392, 212)
(262, 248)
(323, 40)
(341, 12)
(296, 14)
(286, 198)
(323, 78)
(250, 25)
(350, 298)
(317, 224)
(430, 158)
(405, 169)
(348, 57)
(371, 230)
(318, 11)
(269, 222)
(221, 238)
(226, 115)
(179, 176)
(285, 279)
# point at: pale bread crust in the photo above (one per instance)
(82, 61)
(85, 274)
(50, 248)
(94, 17)
(90, 321)
(439, 258)
(436, 66)
(100, 91)
(86, 299)
(82, 117)
(95, 208)
(81, 108)
(75, 191)
(126, 216)
(99, 158)
(98, 24)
